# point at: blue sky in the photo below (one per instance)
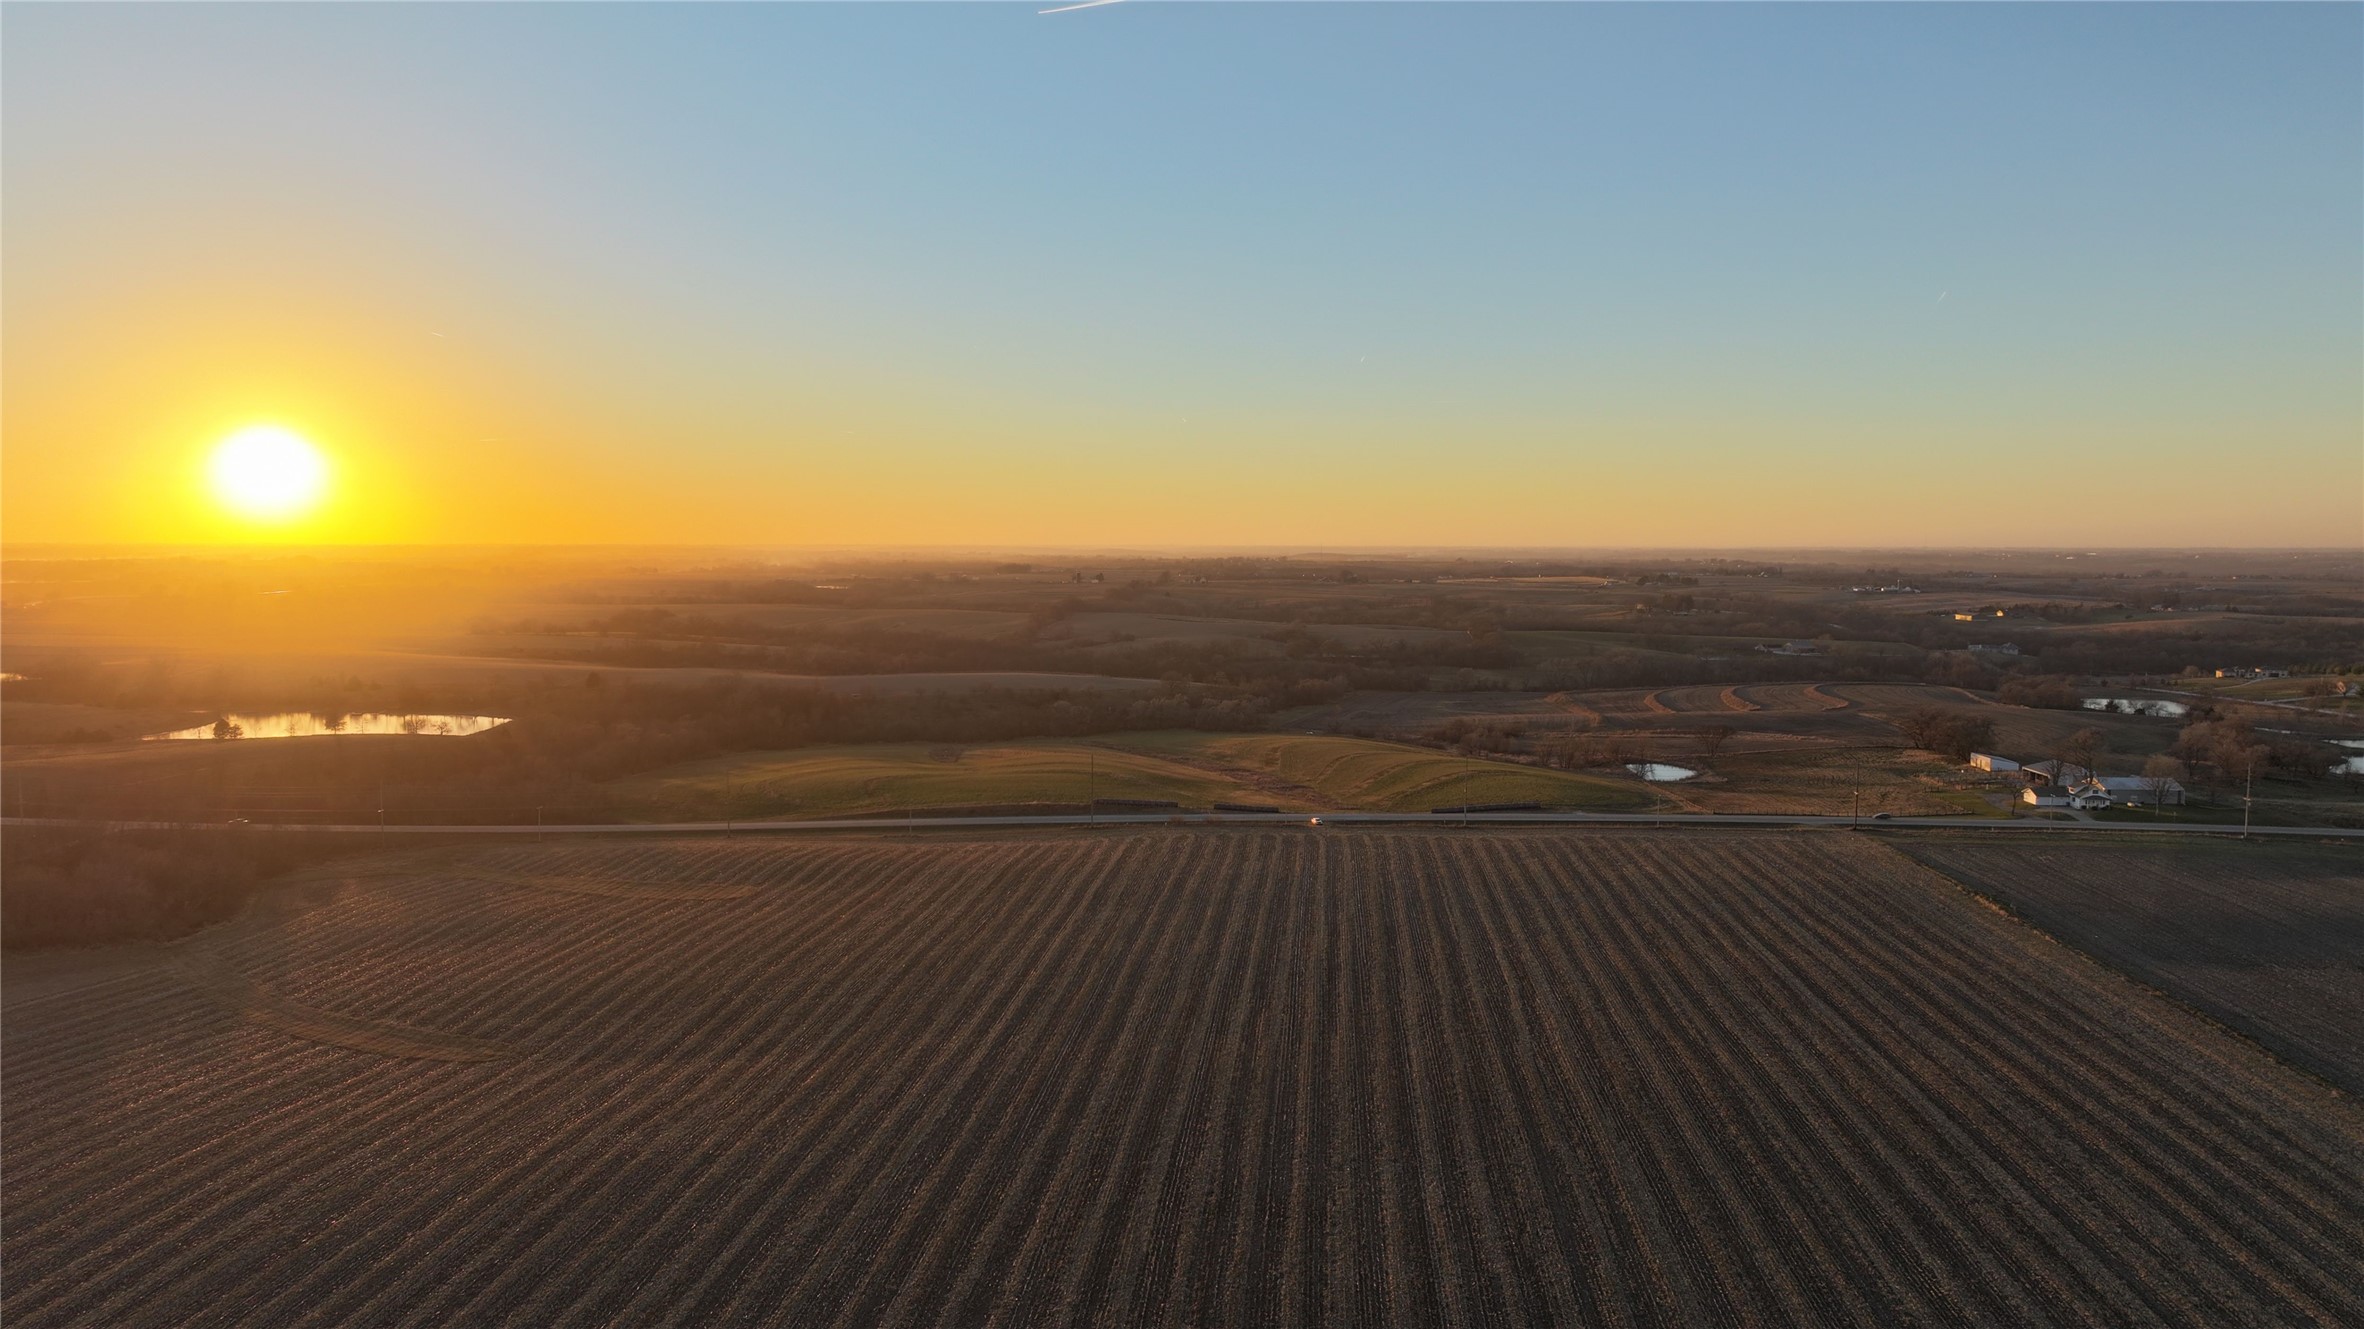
(974, 271)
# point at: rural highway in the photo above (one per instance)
(1700, 819)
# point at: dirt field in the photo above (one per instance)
(2264, 938)
(1168, 1078)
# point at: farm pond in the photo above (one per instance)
(2162, 710)
(309, 724)
(2351, 765)
(1659, 772)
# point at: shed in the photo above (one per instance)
(2130, 790)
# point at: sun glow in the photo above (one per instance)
(266, 473)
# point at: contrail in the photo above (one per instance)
(1087, 4)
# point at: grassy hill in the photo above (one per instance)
(1194, 769)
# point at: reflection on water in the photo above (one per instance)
(2163, 710)
(306, 724)
(1659, 772)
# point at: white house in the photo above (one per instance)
(1988, 761)
(2129, 790)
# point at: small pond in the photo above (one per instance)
(2161, 710)
(308, 724)
(2350, 765)
(1659, 772)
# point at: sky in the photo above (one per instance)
(1173, 274)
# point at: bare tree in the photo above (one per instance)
(2080, 749)
(1712, 740)
(2158, 774)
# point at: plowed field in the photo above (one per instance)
(1174, 1077)
(2266, 938)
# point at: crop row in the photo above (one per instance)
(2263, 938)
(1174, 1077)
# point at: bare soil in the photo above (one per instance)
(1176, 1077)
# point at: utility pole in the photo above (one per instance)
(1091, 787)
(2248, 783)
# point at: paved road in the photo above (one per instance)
(2014, 826)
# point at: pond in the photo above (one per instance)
(2159, 710)
(2350, 765)
(308, 724)
(1659, 772)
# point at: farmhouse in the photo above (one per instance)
(1988, 761)
(2129, 791)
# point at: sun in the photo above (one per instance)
(266, 473)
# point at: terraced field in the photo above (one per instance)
(1178, 1077)
(2266, 938)
(1699, 699)
(1793, 697)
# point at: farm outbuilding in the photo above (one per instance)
(2131, 790)
(2054, 772)
(1988, 761)
(2075, 799)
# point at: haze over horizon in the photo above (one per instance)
(1187, 276)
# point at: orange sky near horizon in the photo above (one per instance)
(582, 316)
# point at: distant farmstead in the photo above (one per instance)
(2130, 791)
(2054, 772)
(1995, 648)
(2073, 799)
